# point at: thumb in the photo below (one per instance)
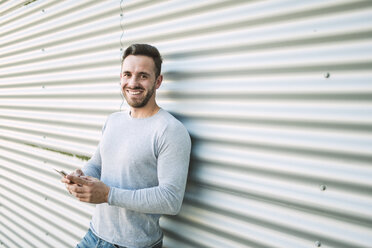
(79, 172)
(78, 180)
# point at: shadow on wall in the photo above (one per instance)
(194, 140)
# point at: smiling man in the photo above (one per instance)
(139, 169)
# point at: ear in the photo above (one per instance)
(158, 82)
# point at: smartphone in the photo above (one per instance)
(61, 172)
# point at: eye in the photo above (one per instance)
(143, 76)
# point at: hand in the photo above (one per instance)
(76, 173)
(88, 189)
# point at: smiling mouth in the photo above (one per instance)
(134, 92)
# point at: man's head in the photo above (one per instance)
(140, 75)
(146, 50)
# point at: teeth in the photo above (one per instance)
(134, 92)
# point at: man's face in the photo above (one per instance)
(138, 80)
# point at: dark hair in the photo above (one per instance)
(146, 50)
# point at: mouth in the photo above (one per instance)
(133, 92)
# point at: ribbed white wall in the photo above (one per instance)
(277, 96)
(59, 67)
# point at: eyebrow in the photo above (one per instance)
(144, 73)
(140, 73)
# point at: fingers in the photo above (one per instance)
(75, 189)
(65, 180)
(76, 179)
(72, 186)
(80, 193)
(76, 173)
(88, 189)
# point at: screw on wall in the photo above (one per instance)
(323, 187)
(327, 75)
(318, 244)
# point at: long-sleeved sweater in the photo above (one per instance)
(145, 163)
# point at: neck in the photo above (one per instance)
(144, 112)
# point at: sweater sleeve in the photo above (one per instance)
(172, 168)
(93, 166)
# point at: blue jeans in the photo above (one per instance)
(92, 241)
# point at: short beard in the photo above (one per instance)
(142, 103)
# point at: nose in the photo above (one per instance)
(130, 82)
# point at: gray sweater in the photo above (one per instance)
(145, 164)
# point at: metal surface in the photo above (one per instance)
(277, 97)
(59, 67)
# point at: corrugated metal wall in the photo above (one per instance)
(277, 96)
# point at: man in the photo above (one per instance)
(139, 169)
